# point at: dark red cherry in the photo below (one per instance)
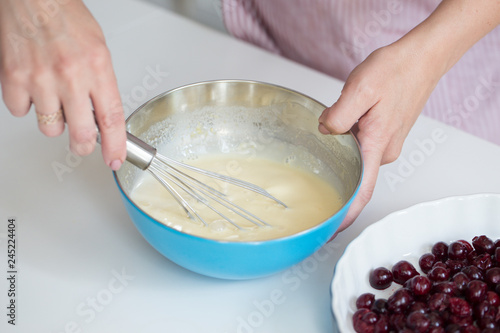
(400, 301)
(492, 276)
(403, 271)
(483, 244)
(440, 250)
(380, 306)
(458, 251)
(476, 291)
(460, 307)
(418, 322)
(439, 302)
(419, 285)
(473, 272)
(460, 280)
(426, 262)
(438, 274)
(365, 301)
(380, 278)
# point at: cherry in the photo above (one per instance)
(440, 250)
(440, 264)
(418, 306)
(486, 323)
(483, 244)
(476, 291)
(481, 309)
(482, 261)
(426, 262)
(473, 272)
(454, 266)
(380, 306)
(380, 278)
(403, 271)
(438, 274)
(492, 276)
(446, 287)
(399, 301)
(360, 326)
(382, 325)
(493, 298)
(365, 300)
(497, 256)
(460, 280)
(397, 321)
(458, 250)
(418, 322)
(467, 245)
(418, 285)
(460, 307)
(439, 302)
(435, 320)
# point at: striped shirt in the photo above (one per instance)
(334, 36)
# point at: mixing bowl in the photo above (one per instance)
(246, 118)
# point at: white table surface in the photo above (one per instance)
(83, 267)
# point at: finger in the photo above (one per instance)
(51, 124)
(111, 120)
(80, 119)
(48, 109)
(15, 96)
(352, 104)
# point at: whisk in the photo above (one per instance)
(168, 172)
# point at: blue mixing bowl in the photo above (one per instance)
(235, 112)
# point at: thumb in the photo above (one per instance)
(345, 112)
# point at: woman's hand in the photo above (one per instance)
(53, 55)
(380, 101)
(384, 95)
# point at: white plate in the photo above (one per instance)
(407, 235)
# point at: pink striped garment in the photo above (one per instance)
(334, 36)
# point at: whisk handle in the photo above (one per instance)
(139, 153)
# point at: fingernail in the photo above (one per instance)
(323, 130)
(115, 165)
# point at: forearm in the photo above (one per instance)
(452, 29)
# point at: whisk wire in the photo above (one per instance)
(190, 211)
(168, 172)
(223, 201)
(227, 179)
(192, 185)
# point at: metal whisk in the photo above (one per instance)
(167, 172)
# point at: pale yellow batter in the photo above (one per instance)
(310, 200)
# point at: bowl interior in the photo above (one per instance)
(249, 119)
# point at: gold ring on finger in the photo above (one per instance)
(49, 119)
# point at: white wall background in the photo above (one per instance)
(207, 12)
